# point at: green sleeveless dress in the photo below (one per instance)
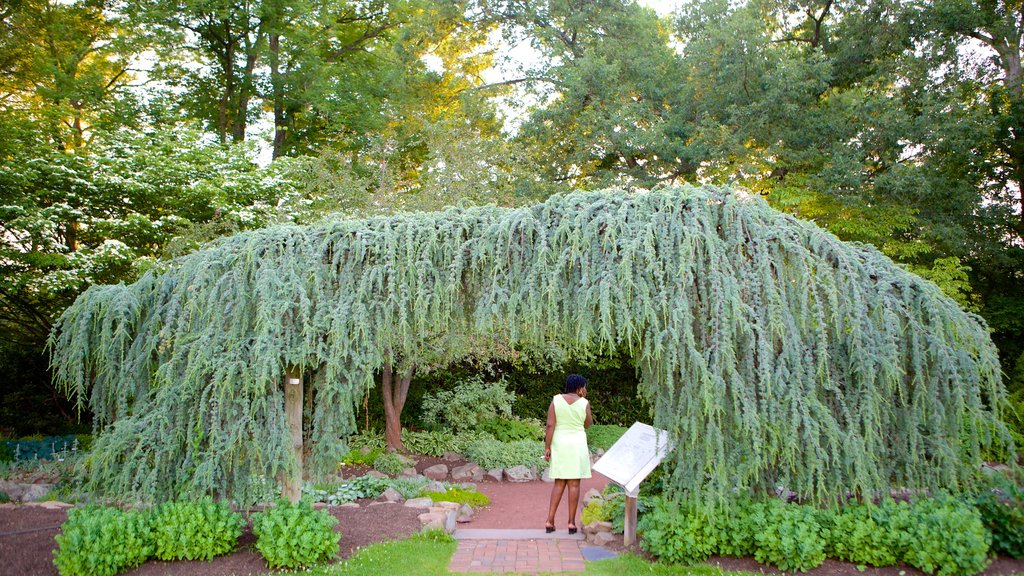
(570, 456)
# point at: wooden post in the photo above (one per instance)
(629, 537)
(292, 489)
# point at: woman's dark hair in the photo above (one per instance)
(574, 382)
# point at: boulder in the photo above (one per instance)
(603, 527)
(546, 477)
(603, 538)
(465, 514)
(468, 471)
(436, 472)
(391, 495)
(377, 474)
(410, 472)
(351, 505)
(451, 456)
(434, 486)
(418, 503)
(590, 495)
(447, 506)
(18, 492)
(599, 451)
(520, 474)
(495, 474)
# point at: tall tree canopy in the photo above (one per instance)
(773, 353)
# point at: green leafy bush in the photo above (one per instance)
(432, 443)
(348, 491)
(468, 403)
(460, 496)
(491, 453)
(194, 530)
(295, 535)
(361, 456)
(410, 487)
(787, 535)
(1002, 511)
(4, 497)
(858, 533)
(734, 528)
(604, 435)
(390, 463)
(595, 511)
(97, 541)
(940, 536)
(511, 430)
(677, 533)
(369, 439)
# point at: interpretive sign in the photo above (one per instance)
(629, 461)
(634, 456)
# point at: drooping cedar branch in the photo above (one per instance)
(773, 353)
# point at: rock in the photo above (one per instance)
(55, 505)
(546, 477)
(392, 495)
(377, 474)
(599, 451)
(352, 504)
(449, 521)
(468, 471)
(436, 472)
(438, 521)
(418, 503)
(319, 505)
(603, 527)
(590, 495)
(24, 492)
(410, 472)
(451, 456)
(520, 474)
(465, 514)
(603, 538)
(447, 506)
(495, 474)
(434, 486)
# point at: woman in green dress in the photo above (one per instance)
(565, 446)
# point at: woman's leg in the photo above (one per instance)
(556, 496)
(574, 501)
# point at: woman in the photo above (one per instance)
(565, 446)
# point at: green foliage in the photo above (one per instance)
(595, 511)
(432, 551)
(1001, 506)
(461, 496)
(410, 487)
(194, 530)
(858, 533)
(348, 491)
(96, 541)
(678, 534)
(787, 535)
(511, 430)
(470, 402)
(390, 463)
(369, 440)
(363, 457)
(788, 344)
(490, 453)
(604, 435)
(432, 443)
(293, 535)
(940, 536)
(735, 527)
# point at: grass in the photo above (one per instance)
(432, 552)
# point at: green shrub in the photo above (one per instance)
(432, 443)
(390, 463)
(511, 430)
(787, 535)
(295, 535)
(604, 435)
(460, 496)
(735, 528)
(4, 497)
(410, 487)
(857, 533)
(677, 533)
(595, 511)
(348, 491)
(368, 439)
(490, 453)
(97, 541)
(1002, 511)
(361, 456)
(195, 530)
(940, 535)
(470, 401)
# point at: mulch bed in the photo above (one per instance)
(27, 532)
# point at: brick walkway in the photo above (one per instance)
(519, 553)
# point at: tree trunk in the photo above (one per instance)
(292, 485)
(275, 82)
(395, 394)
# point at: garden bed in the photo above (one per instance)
(30, 550)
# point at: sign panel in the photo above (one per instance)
(634, 456)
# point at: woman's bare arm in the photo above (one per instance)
(550, 432)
